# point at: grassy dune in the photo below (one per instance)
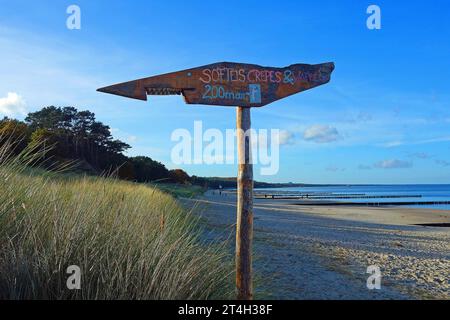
(185, 191)
(130, 241)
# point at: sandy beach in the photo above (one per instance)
(322, 252)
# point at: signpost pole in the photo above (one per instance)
(244, 225)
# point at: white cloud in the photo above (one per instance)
(132, 139)
(285, 137)
(124, 136)
(321, 134)
(263, 138)
(13, 105)
(393, 164)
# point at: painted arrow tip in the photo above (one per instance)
(329, 66)
(130, 89)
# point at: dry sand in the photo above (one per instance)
(322, 252)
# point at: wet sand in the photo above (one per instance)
(321, 252)
(384, 215)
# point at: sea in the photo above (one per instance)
(412, 195)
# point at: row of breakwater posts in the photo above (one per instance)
(374, 204)
(279, 195)
(283, 195)
(334, 199)
(337, 196)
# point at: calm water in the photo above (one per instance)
(427, 192)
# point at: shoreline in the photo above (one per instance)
(360, 212)
(319, 252)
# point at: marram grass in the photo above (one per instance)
(130, 241)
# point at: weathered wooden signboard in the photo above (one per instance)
(243, 86)
(229, 84)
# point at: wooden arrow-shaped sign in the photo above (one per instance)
(229, 84)
(243, 86)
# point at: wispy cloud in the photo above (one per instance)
(391, 144)
(321, 134)
(393, 164)
(46, 72)
(443, 163)
(334, 169)
(420, 155)
(361, 117)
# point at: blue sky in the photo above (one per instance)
(383, 118)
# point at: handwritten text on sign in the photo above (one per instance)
(222, 75)
(250, 85)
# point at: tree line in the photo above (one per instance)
(67, 135)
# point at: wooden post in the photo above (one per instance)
(244, 225)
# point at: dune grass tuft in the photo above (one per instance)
(130, 241)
